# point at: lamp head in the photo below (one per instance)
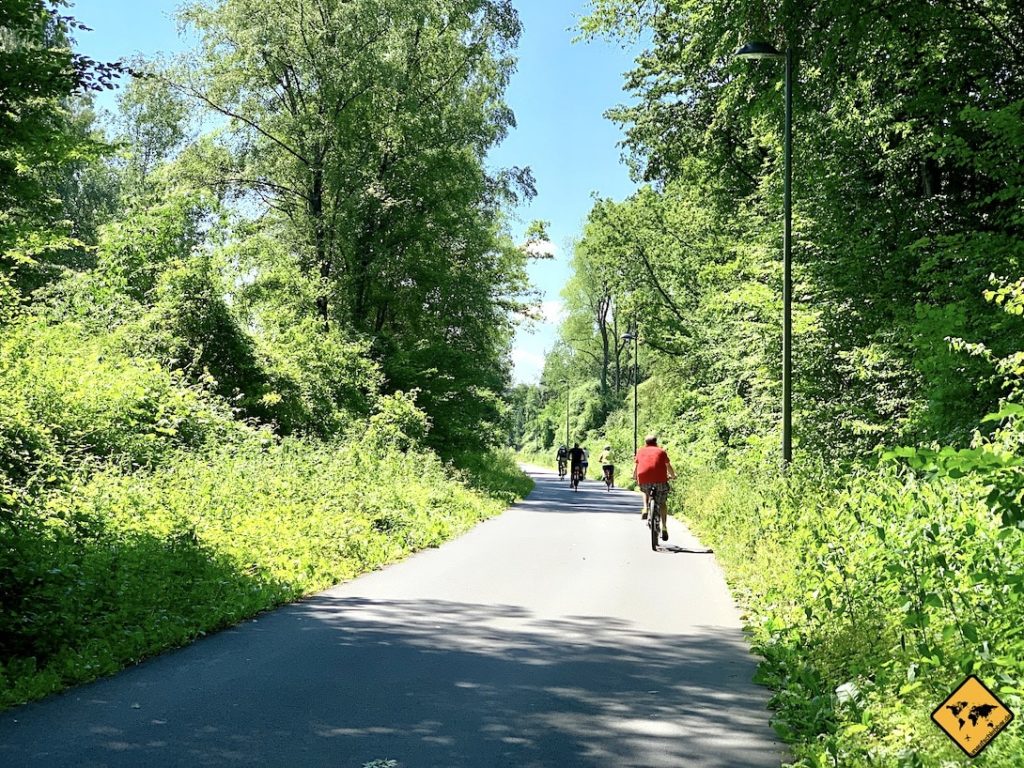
(759, 49)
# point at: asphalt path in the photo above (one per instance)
(550, 636)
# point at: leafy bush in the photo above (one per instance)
(76, 393)
(291, 374)
(397, 423)
(29, 460)
(325, 381)
(496, 473)
(135, 251)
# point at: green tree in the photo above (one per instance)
(154, 125)
(373, 173)
(39, 73)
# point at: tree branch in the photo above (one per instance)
(196, 94)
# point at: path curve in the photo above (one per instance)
(535, 640)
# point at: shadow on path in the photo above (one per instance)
(341, 681)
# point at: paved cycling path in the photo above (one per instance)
(536, 640)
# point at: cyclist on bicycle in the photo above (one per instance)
(561, 457)
(652, 472)
(607, 465)
(577, 459)
(584, 464)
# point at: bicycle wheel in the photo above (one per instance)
(655, 518)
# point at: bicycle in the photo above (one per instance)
(653, 520)
(561, 469)
(574, 481)
(609, 476)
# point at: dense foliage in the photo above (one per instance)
(254, 328)
(873, 584)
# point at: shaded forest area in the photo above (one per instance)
(886, 565)
(254, 326)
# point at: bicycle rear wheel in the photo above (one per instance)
(654, 515)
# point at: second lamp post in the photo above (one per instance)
(634, 336)
(566, 382)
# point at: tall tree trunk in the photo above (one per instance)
(602, 324)
(316, 213)
(618, 355)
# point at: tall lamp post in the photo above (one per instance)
(762, 50)
(634, 336)
(566, 382)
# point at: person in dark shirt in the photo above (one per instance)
(576, 458)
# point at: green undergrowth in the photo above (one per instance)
(870, 597)
(496, 474)
(126, 564)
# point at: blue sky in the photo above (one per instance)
(559, 95)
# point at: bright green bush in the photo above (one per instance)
(298, 379)
(82, 397)
(319, 382)
(29, 459)
(190, 309)
(136, 250)
(397, 424)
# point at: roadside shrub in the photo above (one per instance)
(397, 423)
(496, 473)
(296, 378)
(78, 392)
(325, 382)
(29, 459)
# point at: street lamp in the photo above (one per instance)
(762, 50)
(634, 336)
(566, 382)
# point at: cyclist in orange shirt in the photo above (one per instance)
(652, 471)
